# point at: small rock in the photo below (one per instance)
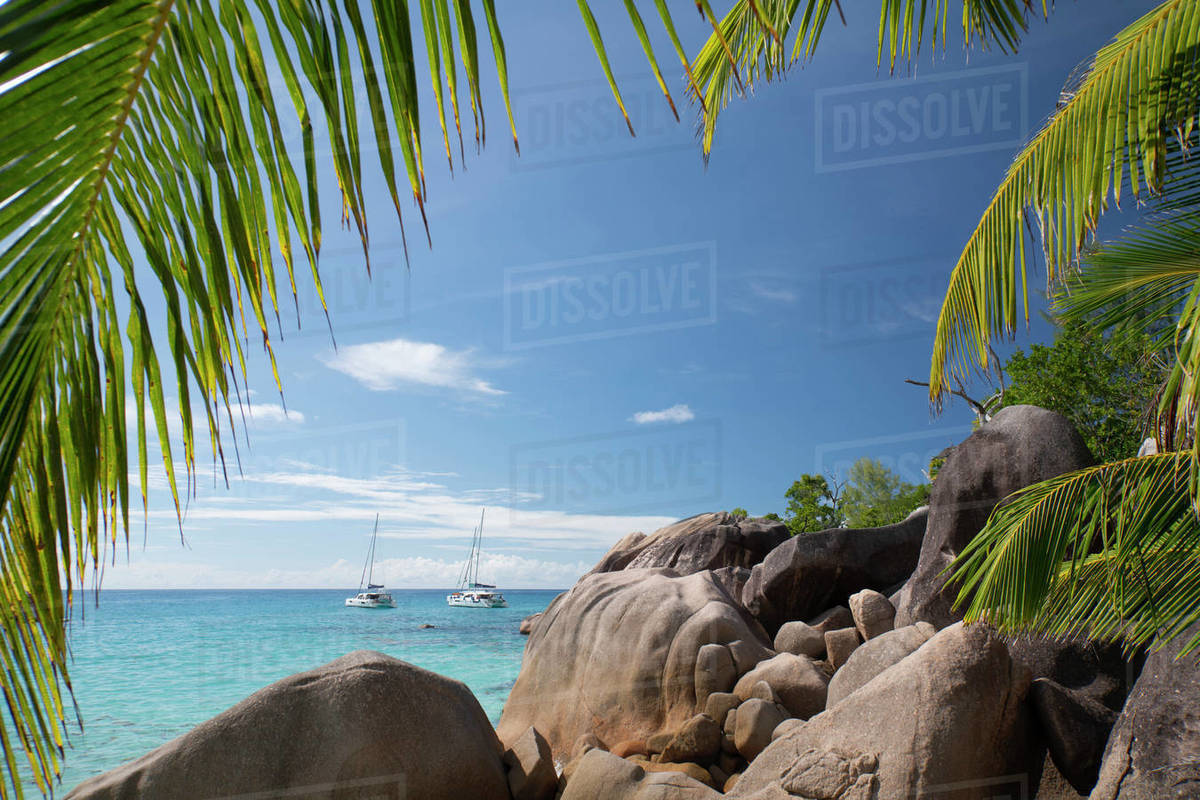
(729, 762)
(786, 727)
(531, 774)
(746, 655)
(840, 644)
(599, 774)
(797, 680)
(719, 705)
(585, 742)
(693, 771)
(873, 613)
(732, 782)
(425, 626)
(763, 691)
(800, 638)
(699, 740)
(756, 721)
(659, 741)
(630, 747)
(715, 671)
(831, 620)
(719, 775)
(528, 623)
(730, 721)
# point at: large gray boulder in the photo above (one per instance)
(874, 657)
(362, 726)
(616, 656)
(1154, 748)
(948, 721)
(812, 572)
(705, 541)
(1019, 446)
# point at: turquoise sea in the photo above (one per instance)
(149, 665)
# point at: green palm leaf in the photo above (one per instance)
(148, 133)
(1110, 134)
(1111, 552)
(748, 44)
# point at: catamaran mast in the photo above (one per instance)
(370, 565)
(478, 547)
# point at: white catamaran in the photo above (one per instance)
(471, 593)
(373, 596)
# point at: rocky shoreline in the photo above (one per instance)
(720, 656)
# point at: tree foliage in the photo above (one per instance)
(1106, 385)
(812, 505)
(873, 495)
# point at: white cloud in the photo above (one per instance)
(676, 413)
(270, 413)
(778, 294)
(397, 363)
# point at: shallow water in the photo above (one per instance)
(150, 665)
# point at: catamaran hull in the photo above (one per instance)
(476, 602)
(354, 602)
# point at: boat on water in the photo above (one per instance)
(374, 594)
(471, 593)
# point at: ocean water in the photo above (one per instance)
(149, 665)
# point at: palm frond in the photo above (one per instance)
(1110, 552)
(146, 144)
(1112, 130)
(748, 44)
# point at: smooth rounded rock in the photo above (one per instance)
(810, 573)
(1019, 446)
(799, 683)
(616, 656)
(602, 776)
(365, 719)
(840, 644)
(719, 704)
(800, 638)
(699, 740)
(873, 613)
(715, 671)
(756, 721)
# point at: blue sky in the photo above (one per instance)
(607, 335)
